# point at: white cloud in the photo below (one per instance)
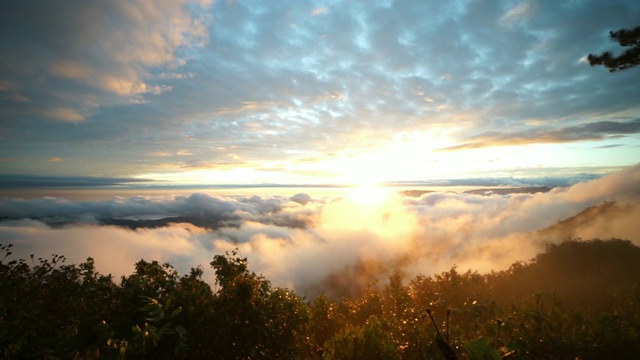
(517, 14)
(319, 11)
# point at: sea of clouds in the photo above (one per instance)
(313, 245)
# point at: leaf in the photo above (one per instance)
(181, 331)
(481, 349)
(149, 308)
(176, 312)
(164, 330)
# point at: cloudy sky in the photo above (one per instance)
(313, 92)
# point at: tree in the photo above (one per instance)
(49, 309)
(630, 39)
(252, 319)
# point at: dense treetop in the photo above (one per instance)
(578, 299)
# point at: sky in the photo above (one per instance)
(312, 92)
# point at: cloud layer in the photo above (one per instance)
(327, 244)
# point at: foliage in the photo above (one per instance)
(369, 341)
(628, 38)
(49, 309)
(159, 324)
(252, 319)
(540, 309)
(481, 349)
(578, 299)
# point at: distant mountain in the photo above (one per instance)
(415, 193)
(210, 222)
(487, 191)
(607, 220)
(590, 275)
(510, 190)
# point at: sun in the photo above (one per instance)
(370, 195)
(359, 171)
(364, 178)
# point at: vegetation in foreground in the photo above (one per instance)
(578, 299)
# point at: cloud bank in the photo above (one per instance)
(333, 245)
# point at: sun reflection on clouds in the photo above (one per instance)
(370, 211)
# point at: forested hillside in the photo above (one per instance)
(578, 299)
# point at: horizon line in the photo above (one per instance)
(23, 181)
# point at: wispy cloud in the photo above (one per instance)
(64, 114)
(592, 131)
(319, 11)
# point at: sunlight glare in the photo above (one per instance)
(369, 195)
